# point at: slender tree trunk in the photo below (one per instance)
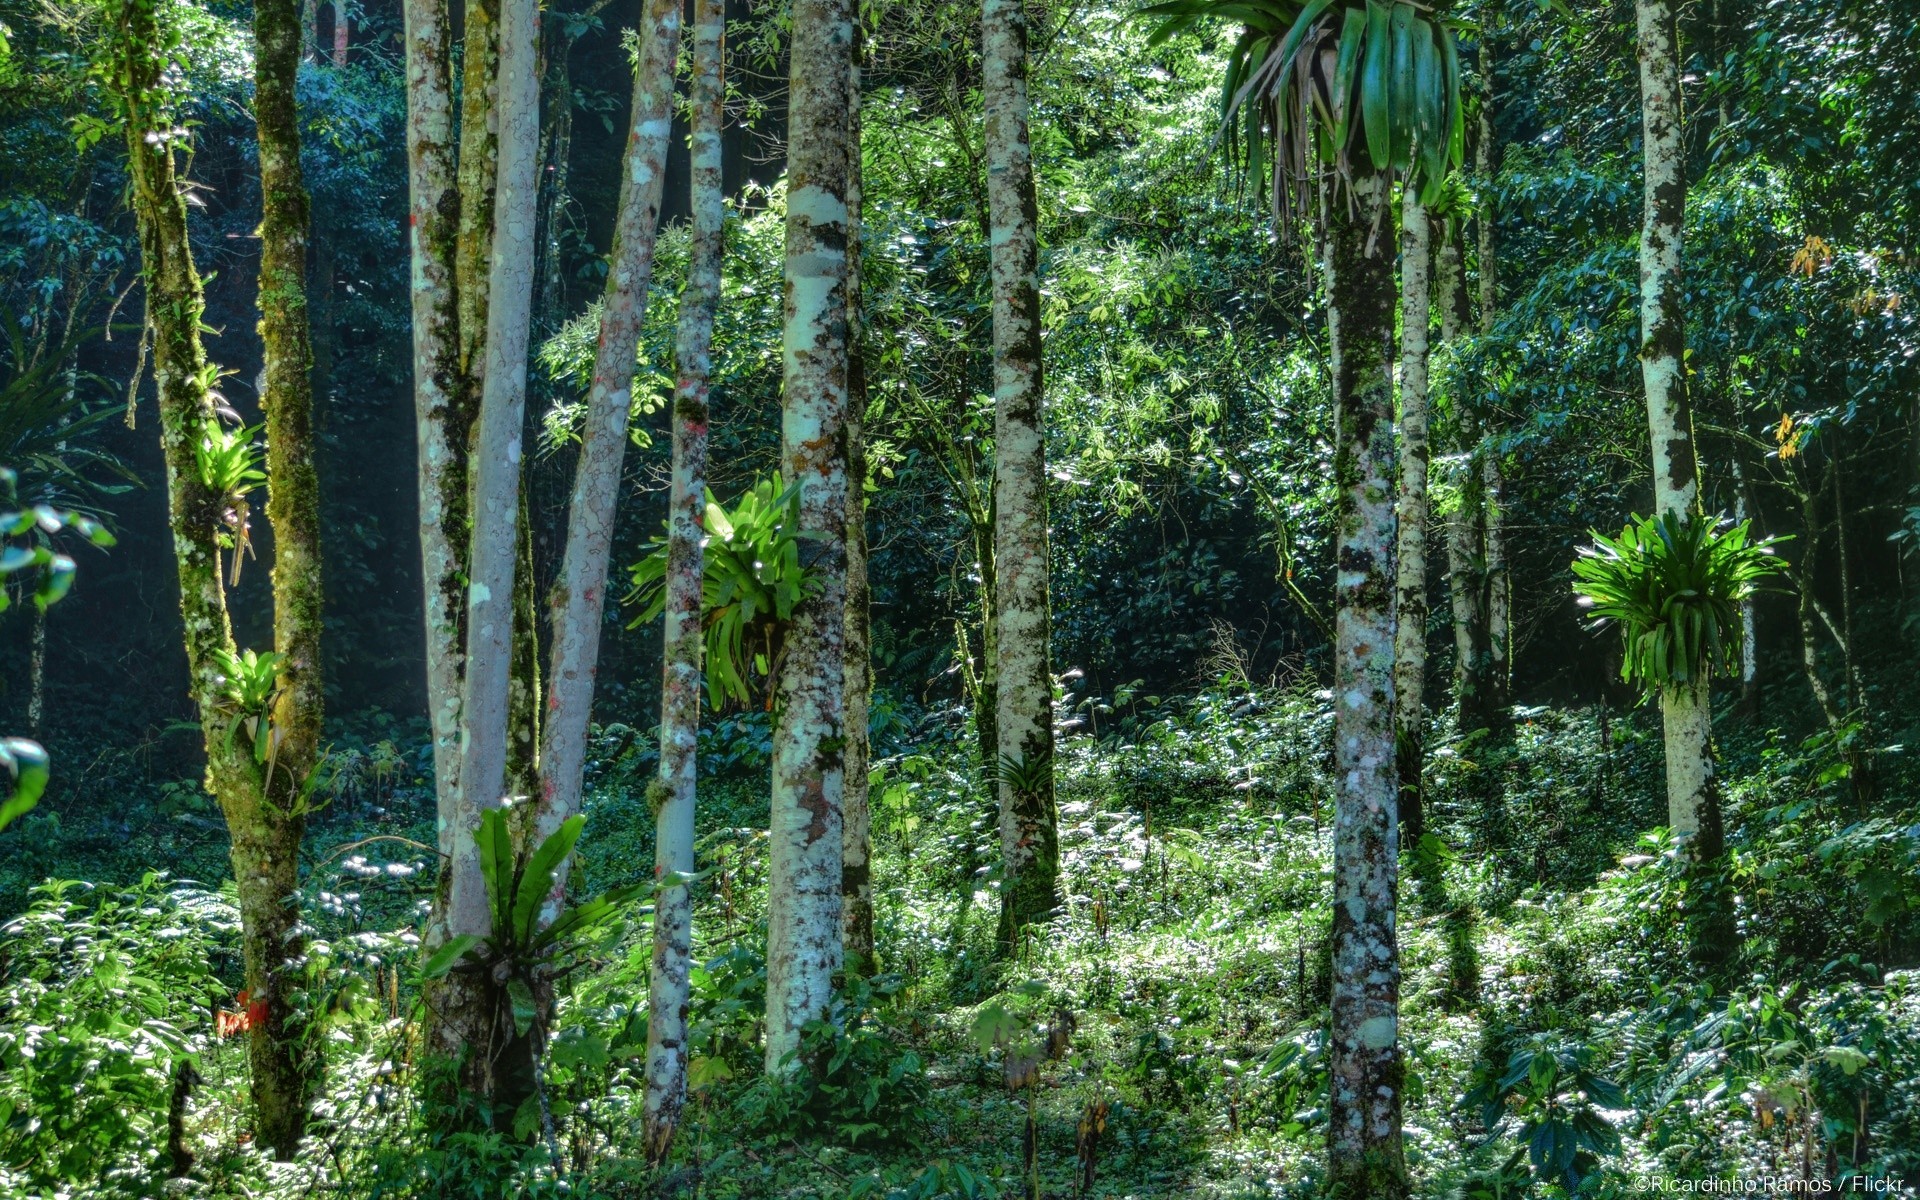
(37, 674)
(578, 602)
(1466, 580)
(986, 691)
(1410, 628)
(293, 503)
(803, 889)
(310, 30)
(478, 165)
(1495, 579)
(1023, 708)
(265, 835)
(1688, 721)
(465, 1025)
(1364, 1062)
(341, 33)
(524, 722)
(856, 875)
(667, 989)
(1749, 638)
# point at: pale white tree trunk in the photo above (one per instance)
(496, 463)
(673, 859)
(803, 886)
(1749, 638)
(434, 222)
(1685, 711)
(1364, 1062)
(856, 858)
(578, 602)
(1023, 705)
(1410, 628)
(1496, 579)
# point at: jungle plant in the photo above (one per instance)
(230, 467)
(1551, 1085)
(1674, 585)
(1395, 82)
(249, 686)
(751, 581)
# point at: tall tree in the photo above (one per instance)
(1497, 581)
(578, 602)
(260, 714)
(1335, 138)
(803, 887)
(1410, 630)
(673, 861)
(1466, 542)
(467, 1021)
(1686, 712)
(1023, 708)
(856, 868)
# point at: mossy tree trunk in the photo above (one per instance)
(1496, 581)
(1023, 707)
(1364, 1099)
(803, 889)
(1410, 628)
(856, 857)
(1466, 545)
(263, 817)
(667, 986)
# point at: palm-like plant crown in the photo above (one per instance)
(1354, 86)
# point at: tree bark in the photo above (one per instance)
(1749, 638)
(341, 33)
(803, 917)
(667, 989)
(1410, 618)
(1364, 1100)
(265, 835)
(1466, 580)
(1496, 581)
(578, 602)
(464, 1028)
(1684, 711)
(1023, 707)
(856, 858)
(293, 511)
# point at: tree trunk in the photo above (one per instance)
(524, 722)
(1749, 639)
(577, 605)
(293, 510)
(1364, 1100)
(478, 166)
(1466, 581)
(265, 837)
(341, 33)
(1410, 628)
(1023, 706)
(856, 858)
(37, 674)
(440, 421)
(667, 988)
(1687, 719)
(464, 1022)
(1495, 581)
(803, 888)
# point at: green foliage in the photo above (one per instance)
(848, 1079)
(1674, 585)
(1550, 1085)
(103, 997)
(229, 461)
(1395, 89)
(751, 580)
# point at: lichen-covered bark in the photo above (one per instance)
(462, 1024)
(1466, 579)
(1364, 1063)
(440, 416)
(1410, 628)
(856, 857)
(265, 838)
(578, 601)
(1686, 714)
(1496, 580)
(803, 889)
(342, 32)
(674, 795)
(293, 495)
(479, 163)
(1749, 637)
(1023, 709)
